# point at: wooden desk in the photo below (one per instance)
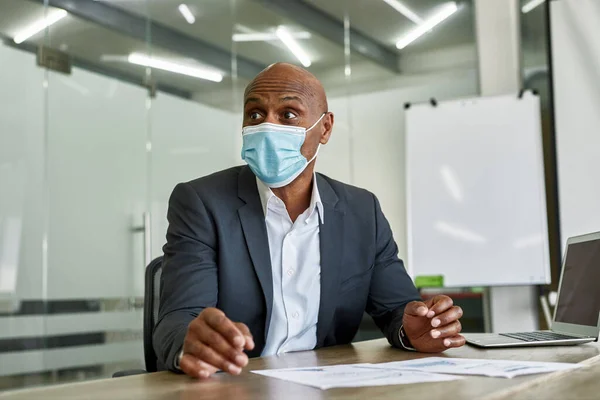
(164, 385)
(583, 383)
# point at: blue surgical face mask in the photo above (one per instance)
(272, 152)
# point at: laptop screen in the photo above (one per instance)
(579, 297)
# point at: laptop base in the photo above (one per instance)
(492, 340)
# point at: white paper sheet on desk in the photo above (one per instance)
(466, 366)
(354, 375)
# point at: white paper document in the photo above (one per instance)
(354, 375)
(467, 366)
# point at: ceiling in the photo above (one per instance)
(378, 20)
(217, 20)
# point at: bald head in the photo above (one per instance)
(289, 80)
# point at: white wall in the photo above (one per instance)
(376, 122)
(576, 67)
(189, 140)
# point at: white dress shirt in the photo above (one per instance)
(296, 268)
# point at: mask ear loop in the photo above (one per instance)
(319, 146)
(315, 124)
(315, 156)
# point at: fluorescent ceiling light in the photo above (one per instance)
(445, 11)
(284, 35)
(113, 58)
(531, 5)
(244, 28)
(196, 72)
(266, 36)
(402, 9)
(187, 14)
(51, 18)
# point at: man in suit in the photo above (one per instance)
(271, 257)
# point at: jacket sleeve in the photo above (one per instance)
(391, 287)
(189, 272)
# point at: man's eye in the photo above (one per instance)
(254, 115)
(289, 115)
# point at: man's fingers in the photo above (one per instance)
(189, 365)
(248, 335)
(213, 339)
(208, 355)
(441, 331)
(243, 328)
(455, 341)
(449, 330)
(217, 320)
(440, 304)
(416, 308)
(214, 342)
(196, 368)
(447, 317)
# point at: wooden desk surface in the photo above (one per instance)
(583, 383)
(165, 385)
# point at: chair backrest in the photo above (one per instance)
(151, 303)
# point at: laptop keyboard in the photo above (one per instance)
(537, 336)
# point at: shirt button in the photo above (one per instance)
(295, 315)
(290, 272)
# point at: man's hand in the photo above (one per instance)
(212, 343)
(433, 326)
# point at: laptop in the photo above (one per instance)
(576, 316)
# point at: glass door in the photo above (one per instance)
(98, 144)
(74, 172)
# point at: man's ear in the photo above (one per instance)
(328, 120)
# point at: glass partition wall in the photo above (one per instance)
(107, 105)
(536, 77)
(75, 149)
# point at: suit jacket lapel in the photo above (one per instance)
(255, 232)
(331, 237)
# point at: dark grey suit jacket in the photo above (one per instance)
(217, 255)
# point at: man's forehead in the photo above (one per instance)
(281, 97)
(279, 88)
(286, 82)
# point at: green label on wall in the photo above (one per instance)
(429, 281)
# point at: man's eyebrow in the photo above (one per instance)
(291, 98)
(252, 100)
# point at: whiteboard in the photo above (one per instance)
(476, 205)
(575, 29)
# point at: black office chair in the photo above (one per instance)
(151, 303)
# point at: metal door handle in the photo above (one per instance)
(147, 239)
(146, 228)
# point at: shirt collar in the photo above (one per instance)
(267, 195)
